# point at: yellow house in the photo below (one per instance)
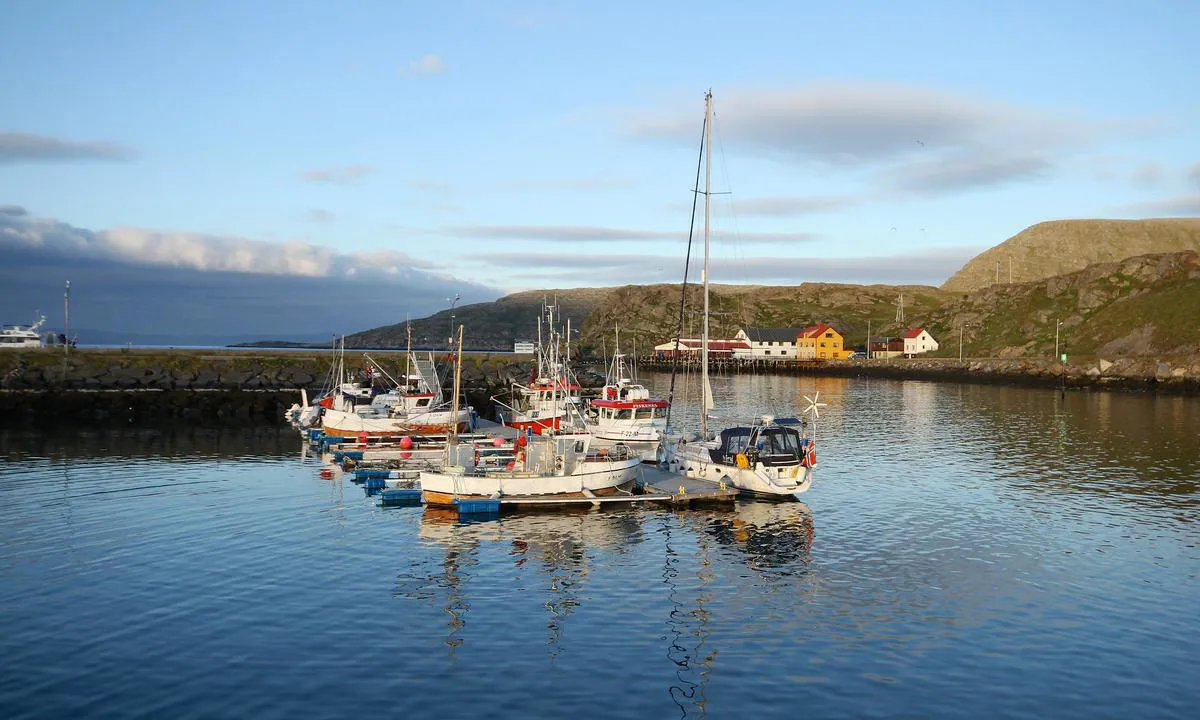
(821, 342)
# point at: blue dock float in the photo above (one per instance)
(372, 474)
(375, 483)
(342, 455)
(477, 507)
(400, 496)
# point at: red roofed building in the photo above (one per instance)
(917, 341)
(821, 342)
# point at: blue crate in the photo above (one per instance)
(401, 496)
(478, 507)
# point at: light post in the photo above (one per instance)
(453, 302)
(960, 339)
(1057, 325)
(67, 319)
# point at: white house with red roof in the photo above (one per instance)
(917, 341)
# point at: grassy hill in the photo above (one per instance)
(1059, 247)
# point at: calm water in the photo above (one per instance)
(966, 551)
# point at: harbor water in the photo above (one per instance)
(965, 551)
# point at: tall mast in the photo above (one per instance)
(704, 275)
(453, 428)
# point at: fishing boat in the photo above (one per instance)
(625, 412)
(768, 457)
(415, 406)
(22, 336)
(549, 400)
(545, 466)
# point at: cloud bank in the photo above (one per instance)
(908, 138)
(27, 148)
(151, 281)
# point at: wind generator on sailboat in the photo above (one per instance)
(771, 457)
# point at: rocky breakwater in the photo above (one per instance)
(1160, 374)
(255, 386)
(151, 385)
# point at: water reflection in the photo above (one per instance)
(168, 441)
(551, 547)
(773, 537)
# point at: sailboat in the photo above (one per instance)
(770, 457)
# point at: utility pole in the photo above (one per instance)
(1057, 325)
(997, 272)
(960, 337)
(67, 319)
(868, 338)
(1010, 269)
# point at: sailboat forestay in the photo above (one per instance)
(770, 457)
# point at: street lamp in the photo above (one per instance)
(1057, 325)
(453, 302)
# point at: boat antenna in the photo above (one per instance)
(686, 263)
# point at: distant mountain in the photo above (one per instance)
(486, 326)
(110, 337)
(1059, 247)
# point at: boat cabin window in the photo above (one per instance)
(735, 440)
(780, 441)
(423, 402)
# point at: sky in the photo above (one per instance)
(295, 168)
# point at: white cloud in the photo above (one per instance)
(853, 124)
(1184, 204)
(194, 251)
(428, 64)
(795, 205)
(339, 175)
(931, 266)
(586, 233)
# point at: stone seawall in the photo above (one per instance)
(1177, 375)
(149, 385)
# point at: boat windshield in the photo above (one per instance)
(779, 441)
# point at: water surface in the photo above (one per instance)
(966, 550)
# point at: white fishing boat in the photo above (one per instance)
(547, 466)
(768, 457)
(550, 400)
(22, 336)
(625, 412)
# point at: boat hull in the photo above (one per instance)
(596, 477)
(343, 424)
(760, 481)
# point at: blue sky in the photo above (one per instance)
(485, 147)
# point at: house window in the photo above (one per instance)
(828, 334)
(822, 345)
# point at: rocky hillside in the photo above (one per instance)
(1145, 305)
(648, 315)
(1065, 246)
(487, 326)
